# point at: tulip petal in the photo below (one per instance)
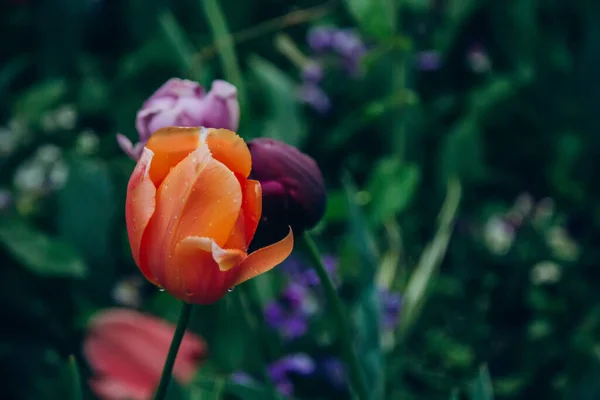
(139, 208)
(171, 145)
(262, 260)
(227, 147)
(252, 207)
(199, 197)
(201, 271)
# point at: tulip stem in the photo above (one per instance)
(357, 377)
(165, 378)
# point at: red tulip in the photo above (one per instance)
(192, 212)
(127, 351)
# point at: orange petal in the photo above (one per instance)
(237, 238)
(199, 197)
(201, 271)
(247, 222)
(227, 147)
(252, 207)
(266, 258)
(139, 208)
(171, 145)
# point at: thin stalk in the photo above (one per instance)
(357, 378)
(165, 378)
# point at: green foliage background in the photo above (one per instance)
(416, 164)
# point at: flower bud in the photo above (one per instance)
(293, 189)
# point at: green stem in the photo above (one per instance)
(357, 378)
(165, 378)
(247, 306)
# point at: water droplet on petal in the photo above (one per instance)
(161, 289)
(230, 289)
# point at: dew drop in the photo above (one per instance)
(230, 289)
(161, 289)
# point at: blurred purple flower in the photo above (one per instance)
(312, 73)
(429, 60)
(320, 38)
(289, 314)
(294, 364)
(301, 273)
(241, 378)
(391, 305)
(334, 371)
(182, 102)
(348, 44)
(314, 96)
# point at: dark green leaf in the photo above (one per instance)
(40, 98)
(40, 253)
(86, 211)
(375, 17)
(431, 258)
(392, 186)
(74, 379)
(215, 19)
(284, 122)
(481, 387)
(176, 36)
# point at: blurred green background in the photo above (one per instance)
(461, 167)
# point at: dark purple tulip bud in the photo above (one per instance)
(293, 189)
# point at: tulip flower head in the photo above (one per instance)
(126, 351)
(293, 188)
(192, 212)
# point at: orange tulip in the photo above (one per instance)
(191, 213)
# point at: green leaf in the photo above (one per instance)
(375, 17)
(177, 38)
(86, 211)
(40, 98)
(74, 379)
(337, 206)
(248, 391)
(481, 387)
(284, 122)
(392, 186)
(366, 310)
(366, 318)
(431, 258)
(11, 70)
(215, 19)
(361, 236)
(41, 254)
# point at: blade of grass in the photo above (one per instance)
(218, 25)
(74, 379)
(431, 258)
(177, 37)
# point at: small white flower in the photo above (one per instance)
(87, 142)
(498, 235)
(65, 117)
(48, 154)
(30, 177)
(545, 272)
(561, 244)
